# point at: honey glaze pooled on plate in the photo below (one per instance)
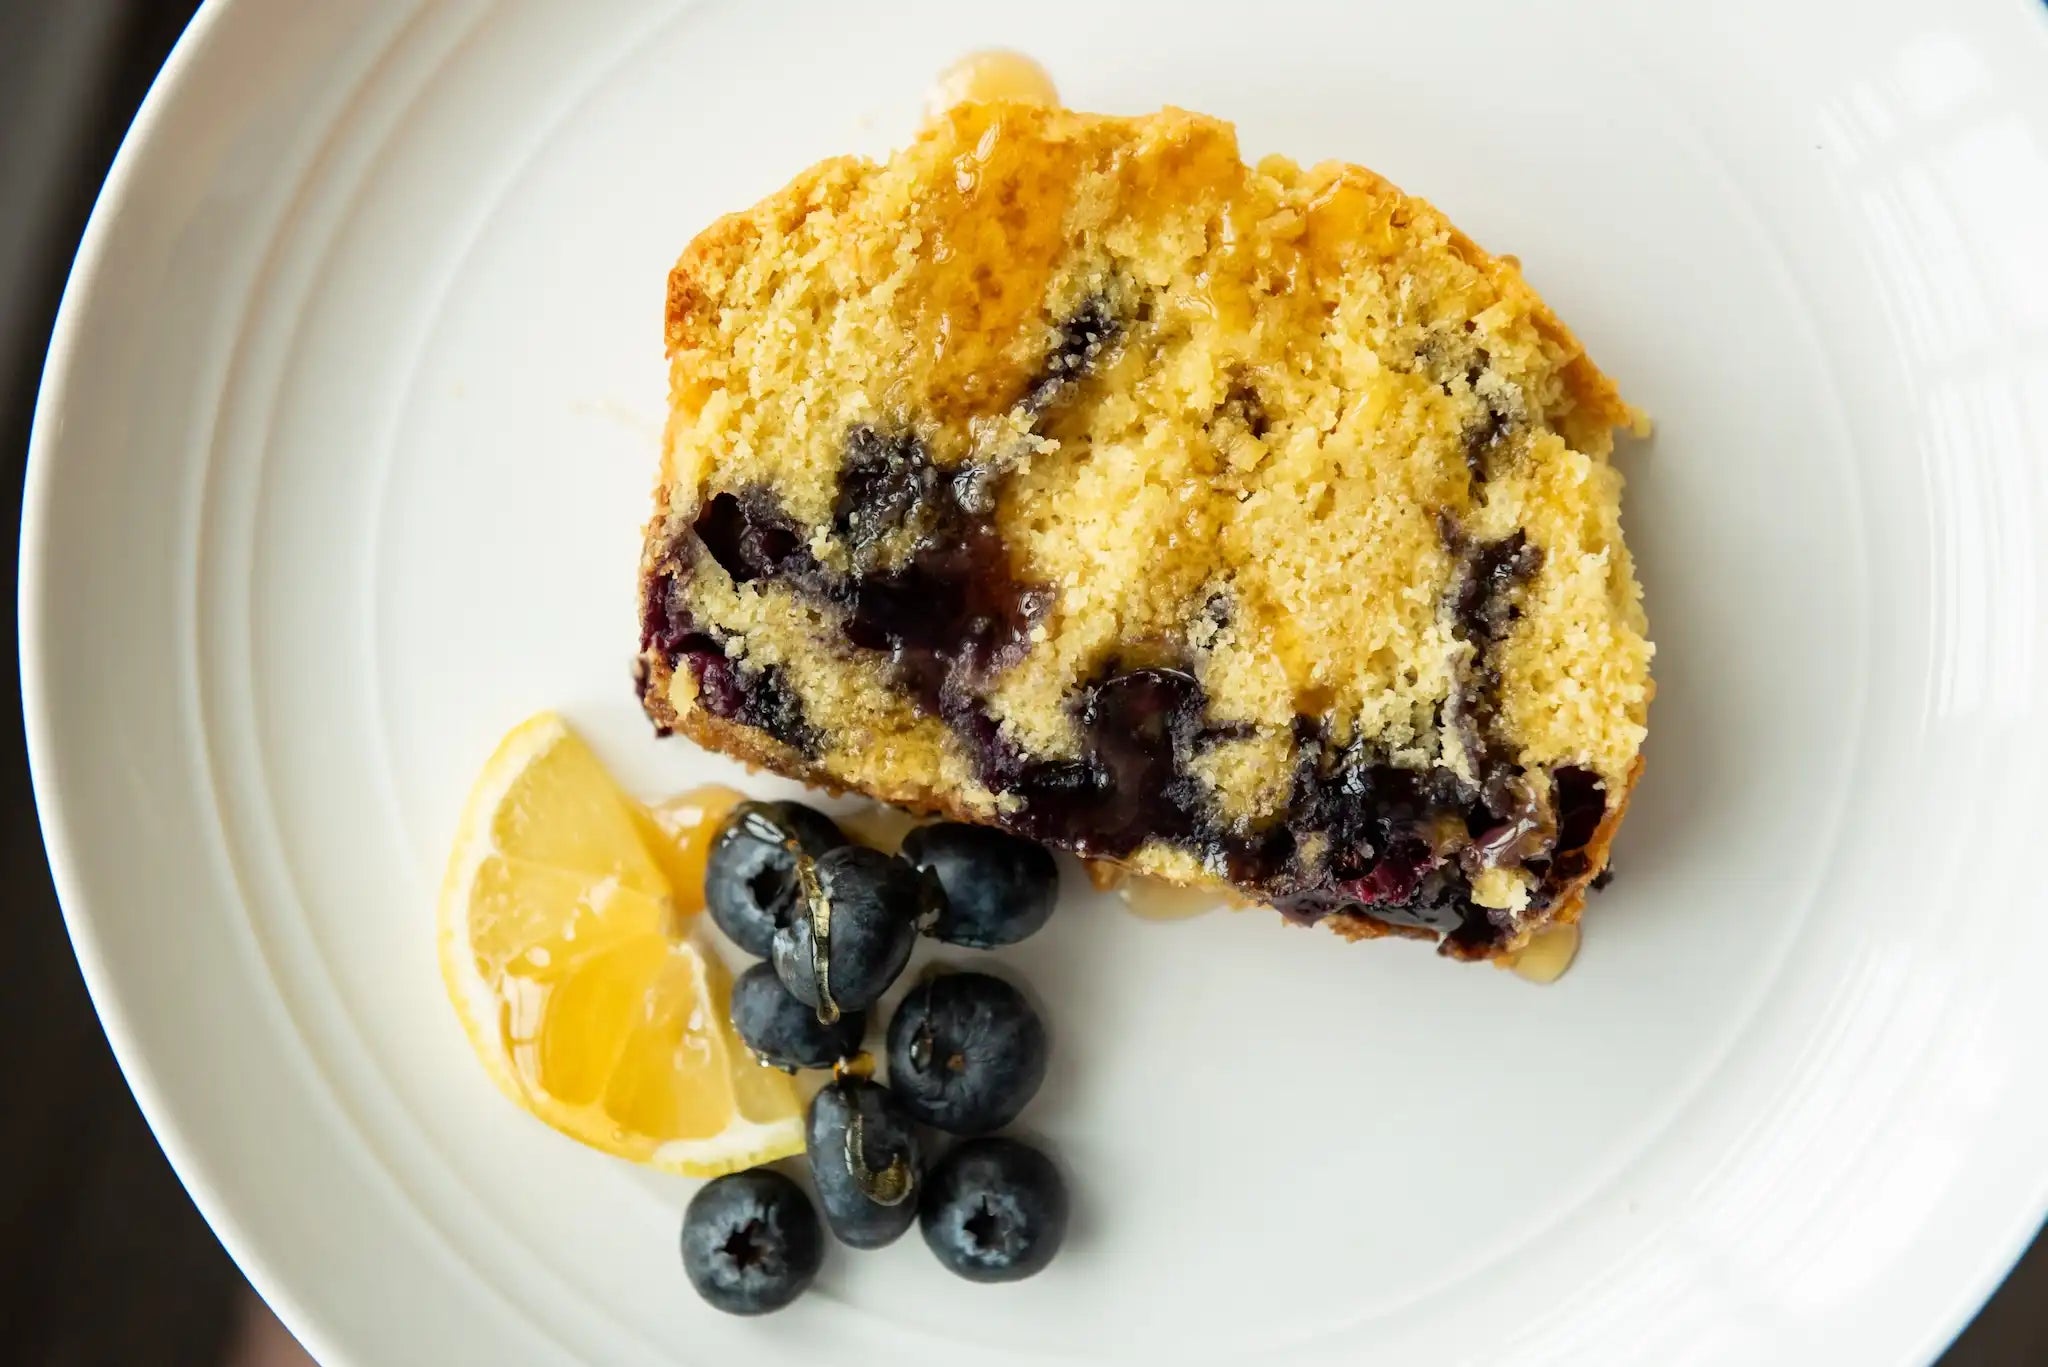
(1150, 899)
(880, 826)
(991, 75)
(1548, 954)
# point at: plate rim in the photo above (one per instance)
(54, 395)
(53, 392)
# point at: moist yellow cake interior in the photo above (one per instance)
(1312, 375)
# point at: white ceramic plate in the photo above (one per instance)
(339, 470)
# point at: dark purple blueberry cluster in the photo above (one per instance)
(1487, 436)
(761, 697)
(1083, 338)
(966, 1053)
(888, 485)
(1481, 606)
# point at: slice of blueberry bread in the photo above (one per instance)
(1240, 526)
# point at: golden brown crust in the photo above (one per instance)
(1103, 875)
(1566, 910)
(714, 253)
(1597, 403)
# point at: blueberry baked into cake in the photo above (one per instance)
(1246, 527)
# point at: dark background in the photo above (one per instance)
(103, 1259)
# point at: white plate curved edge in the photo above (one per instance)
(210, 54)
(1768, 1101)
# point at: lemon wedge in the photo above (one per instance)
(568, 958)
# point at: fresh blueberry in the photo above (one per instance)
(994, 1210)
(751, 1242)
(999, 889)
(783, 1031)
(966, 1052)
(864, 1161)
(750, 882)
(871, 901)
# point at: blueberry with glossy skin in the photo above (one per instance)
(994, 1210)
(872, 1204)
(998, 888)
(750, 882)
(873, 901)
(782, 1031)
(751, 1242)
(966, 1052)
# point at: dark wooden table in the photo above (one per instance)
(103, 1260)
